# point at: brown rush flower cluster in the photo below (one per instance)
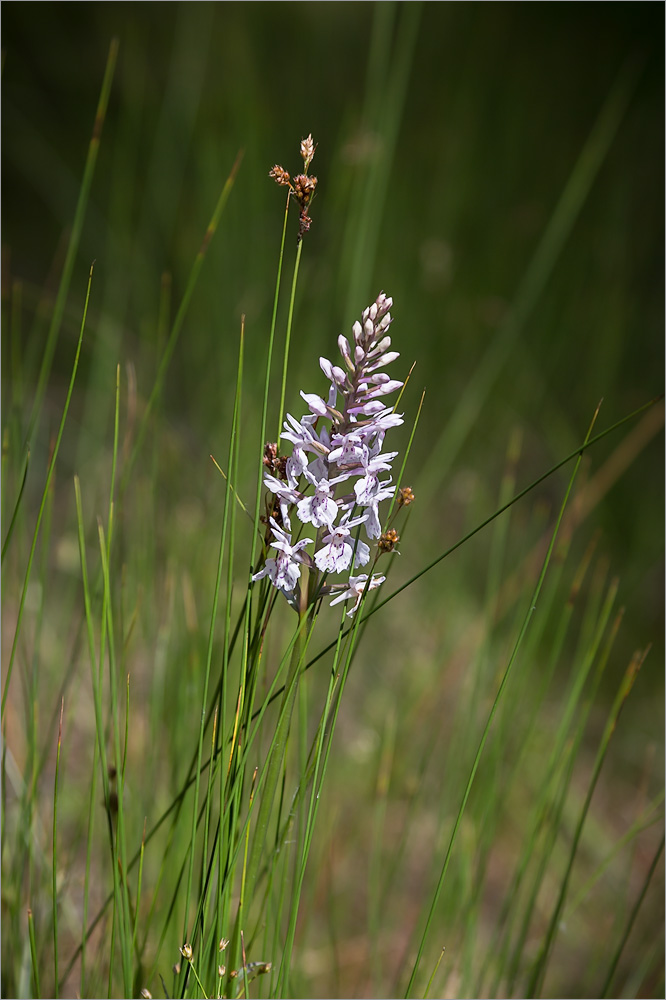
(301, 187)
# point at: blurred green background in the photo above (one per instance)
(447, 134)
(459, 123)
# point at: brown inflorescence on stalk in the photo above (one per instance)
(302, 188)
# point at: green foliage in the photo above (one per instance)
(201, 791)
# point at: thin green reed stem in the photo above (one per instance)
(97, 696)
(605, 989)
(75, 237)
(206, 831)
(33, 954)
(512, 659)
(228, 786)
(119, 852)
(323, 739)
(42, 506)
(29, 797)
(92, 808)
(387, 80)
(55, 852)
(137, 909)
(271, 342)
(538, 974)
(264, 421)
(287, 342)
(434, 973)
(180, 318)
(271, 779)
(229, 512)
(653, 813)
(24, 477)
(556, 778)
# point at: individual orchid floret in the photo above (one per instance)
(286, 495)
(373, 527)
(356, 589)
(321, 509)
(303, 435)
(284, 571)
(347, 450)
(369, 485)
(336, 554)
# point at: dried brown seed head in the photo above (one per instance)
(304, 188)
(388, 541)
(280, 175)
(405, 496)
(270, 456)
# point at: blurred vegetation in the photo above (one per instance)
(447, 134)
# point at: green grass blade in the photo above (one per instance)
(42, 506)
(654, 814)
(180, 318)
(120, 868)
(55, 853)
(228, 522)
(287, 342)
(33, 953)
(75, 237)
(10, 529)
(526, 622)
(538, 974)
(92, 805)
(389, 69)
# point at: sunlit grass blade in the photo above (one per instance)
(42, 506)
(287, 341)
(491, 716)
(122, 908)
(33, 954)
(605, 989)
(226, 538)
(389, 67)
(12, 522)
(535, 983)
(55, 854)
(180, 319)
(74, 238)
(547, 816)
(653, 814)
(313, 776)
